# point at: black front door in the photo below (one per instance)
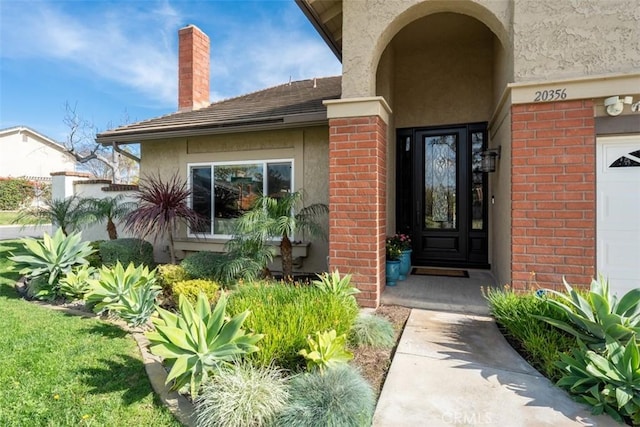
(441, 194)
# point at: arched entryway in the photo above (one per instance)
(442, 75)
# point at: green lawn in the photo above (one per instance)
(8, 218)
(61, 370)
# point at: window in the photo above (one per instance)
(224, 191)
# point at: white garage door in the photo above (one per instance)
(618, 216)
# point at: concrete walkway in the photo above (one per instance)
(460, 294)
(454, 369)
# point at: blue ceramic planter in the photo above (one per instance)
(405, 264)
(393, 272)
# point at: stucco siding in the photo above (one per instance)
(543, 40)
(562, 39)
(443, 80)
(308, 147)
(372, 25)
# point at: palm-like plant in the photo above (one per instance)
(69, 214)
(272, 218)
(162, 205)
(110, 209)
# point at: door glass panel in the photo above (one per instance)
(477, 181)
(440, 182)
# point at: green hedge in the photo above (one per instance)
(128, 250)
(201, 265)
(15, 193)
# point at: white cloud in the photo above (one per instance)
(267, 53)
(125, 46)
(134, 44)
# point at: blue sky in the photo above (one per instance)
(114, 59)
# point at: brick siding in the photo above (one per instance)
(553, 194)
(357, 203)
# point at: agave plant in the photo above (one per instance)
(162, 205)
(76, 284)
(198, 339)
(51, 258)
(116, 283)
(138, 305)
(109, 209)
(327, 351)
(608, 382)
(334, 284)
(599, 317)
(274, 218)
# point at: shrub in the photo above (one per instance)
(76, 284)
(339, 397)
(15, 192)
(52, 258)
(326, 351)
(287, 314)
(242, 395)
(201, 265)
(598, 316)
(190, 289)
(137, 251)
(372, 331)
(94, 259)
(538, 342)
(197, 339)
(169, 274)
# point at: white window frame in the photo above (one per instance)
(212, 165)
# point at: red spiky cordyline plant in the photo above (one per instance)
(161, 206)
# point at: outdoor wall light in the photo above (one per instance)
(615, 104)
(489, 159)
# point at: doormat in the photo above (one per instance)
(423, 271)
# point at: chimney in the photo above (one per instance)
(193, 69)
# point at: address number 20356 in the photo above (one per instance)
(550, 95)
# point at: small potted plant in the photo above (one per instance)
(403, 241)
(393, 261)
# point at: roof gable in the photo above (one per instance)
(34, 135)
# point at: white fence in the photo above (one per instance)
(67, 184)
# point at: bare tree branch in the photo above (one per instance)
(81, 144)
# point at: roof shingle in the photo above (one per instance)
(269, 106)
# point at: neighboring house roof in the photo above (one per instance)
(43, 138)
(326, 17)
(288, 105)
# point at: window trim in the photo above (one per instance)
(263, 162)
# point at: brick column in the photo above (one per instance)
(357, 202)
(553, 194)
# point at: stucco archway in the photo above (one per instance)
(443, 68)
